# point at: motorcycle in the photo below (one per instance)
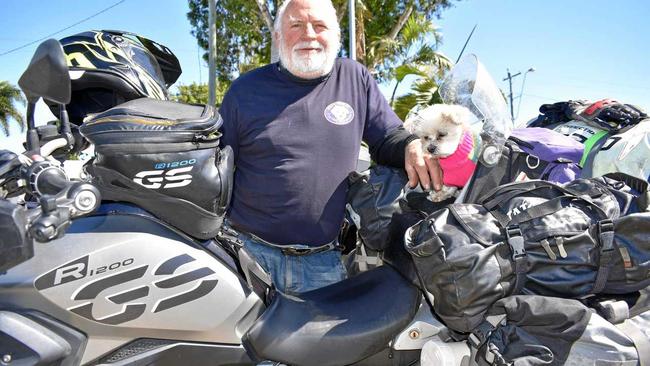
(87, 283)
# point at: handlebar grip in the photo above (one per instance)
(52, 181)
(46, 178)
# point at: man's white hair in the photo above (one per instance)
(330, 16)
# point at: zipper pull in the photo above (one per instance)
(547, 248)
(559, 241)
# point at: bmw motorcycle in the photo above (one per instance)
(90, 282)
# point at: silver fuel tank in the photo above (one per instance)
(122, 276)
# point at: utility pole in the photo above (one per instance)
(212, 79)
(509, 78)
(353, 29)
(511, 97)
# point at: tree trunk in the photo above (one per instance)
(268, 19)
(266, 14)
(342, 11)
(361, 37)
(400, 23)
(395, 31)
(392, 97)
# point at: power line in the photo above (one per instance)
(541, 97)
(521, 92)
(589, 83)
(64, 29)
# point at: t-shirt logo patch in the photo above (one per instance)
(339, 113)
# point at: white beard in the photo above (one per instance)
(313, 65)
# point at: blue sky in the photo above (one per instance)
(580, 49)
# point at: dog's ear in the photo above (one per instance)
(414, 118)
(456, 114)
(410, 124)
(451, 117)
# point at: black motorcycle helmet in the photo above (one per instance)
(108, 68)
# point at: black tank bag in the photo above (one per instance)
(586, 237)
(165, 157)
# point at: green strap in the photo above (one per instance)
(589, 144)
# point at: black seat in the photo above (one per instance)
(336, 325)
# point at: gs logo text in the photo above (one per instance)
(163, 178)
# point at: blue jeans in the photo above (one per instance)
(293, 274)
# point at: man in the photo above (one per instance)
(295, 128)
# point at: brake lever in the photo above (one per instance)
(57, 212)
(9, 161)
(52, 223)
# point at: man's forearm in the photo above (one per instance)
(390, 151)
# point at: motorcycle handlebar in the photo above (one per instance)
(50, 181)
(76, 199)
(60, 200)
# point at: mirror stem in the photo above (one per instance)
(65, 125)
(33, 143)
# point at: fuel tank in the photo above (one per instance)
(123, 275)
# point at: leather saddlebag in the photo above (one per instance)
(586, 237)
(165, 157)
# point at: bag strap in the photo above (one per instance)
(547, 208)
(498, 194)
(480, 336)
(509, 191)
(605, 231)
(640, 340)
(519, 257)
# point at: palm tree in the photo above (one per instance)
(9, 95)
(424, 92)
(411, 53)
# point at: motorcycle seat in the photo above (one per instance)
(340, 324)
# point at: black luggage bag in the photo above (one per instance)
(165, 157)
(586, 237)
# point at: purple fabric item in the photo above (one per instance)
(563, 152)
(563, 173)
(549, 145)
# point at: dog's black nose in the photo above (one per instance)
(431, 149)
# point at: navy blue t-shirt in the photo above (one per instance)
(295, 142)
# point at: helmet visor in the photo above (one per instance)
(145, 62)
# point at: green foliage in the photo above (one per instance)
(242, 35)
(198, 93)
(9, 95)
(412, 53)
(397, 38)
(423, 92)
(381, 20)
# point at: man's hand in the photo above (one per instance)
(421, 167)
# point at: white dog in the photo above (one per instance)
(445, 134)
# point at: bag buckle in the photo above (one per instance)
(606, 235)
(481, 334)
(516, 242)
(605, 226)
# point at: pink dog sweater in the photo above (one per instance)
(458, 167)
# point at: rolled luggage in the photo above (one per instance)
(537, 330)
(589, 236)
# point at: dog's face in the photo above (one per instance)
(440, 127)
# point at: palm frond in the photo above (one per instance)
(423, 93)
(9, 96)
(403, 105)
(409, 69)
(415, 29)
